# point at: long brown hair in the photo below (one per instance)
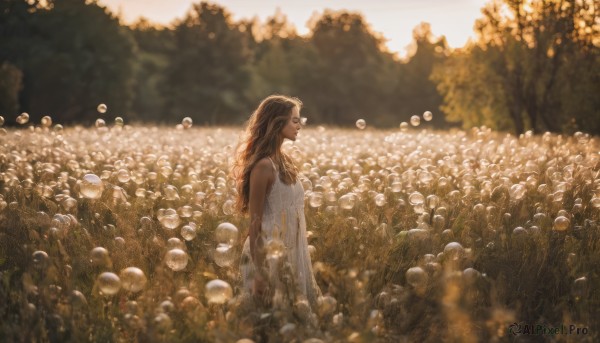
(262, 139)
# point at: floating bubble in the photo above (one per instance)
(415, 120)
(303, 120)
(315, 199)
(403, 126)
(561, 223)
(347, 201)
(186, 122)
(380, 200)
(416, 277)
(427, 115)
(275, 249)
(218, 292)
(40, 259)
(78, 300)
(100, 123)
(188, 232)
(416, 198)
(361, 124)
(46, 121)
(99, 256)
(102, 108)
(170, 219)
(1, 120)
(91, 186)
(228, 207)
(109, 283)
(517, 191)
(119, 121)
(438, 222)
(432, 201)
(327, 304)
(226, 233)
(123, 176)
(133, 279)
(23, 118)
(454, 250)
(176, 259)
(224, 255)
(175, 243)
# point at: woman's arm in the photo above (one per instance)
(261, 177)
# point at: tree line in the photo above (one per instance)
(534, 66)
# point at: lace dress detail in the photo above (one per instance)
(283, 219)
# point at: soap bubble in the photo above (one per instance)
(119, 121)
(432, 201)
(454, 250)
(224, 255)
(100, 123)
(416, 277)
(99, 256)
(347, 201)
(170, 219)
(327, 304)
(380, 200)
(23, 118)
(403, 126)
(188, 232)
(517, 191)
(427, 115)
(175, 243)
(275, 248)
(40, 259)
(176, 259)
(133, 279)
(102, 108)
(123, 176)
(91, 186)
(416, 198)
(561, 223)
(361, 124)
(186, 122)
(218, 291)
(228, 207)
(46, 121)
(226, 233)
(1, 120)
(415, 120)
(315, 199)
(109, 283)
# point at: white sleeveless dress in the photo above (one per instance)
(283, 219)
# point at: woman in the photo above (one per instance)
(276, 249)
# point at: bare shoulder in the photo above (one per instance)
(263, 169)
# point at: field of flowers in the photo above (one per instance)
(127, 233)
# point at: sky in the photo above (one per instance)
(394, 19)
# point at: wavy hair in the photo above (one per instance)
(262, 139)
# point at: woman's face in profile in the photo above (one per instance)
(292, 127)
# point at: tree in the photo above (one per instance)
(155, 44)
(10, 86)
(207, 73)
(73, 55)
(415, 92)
(351, 70)
(532, 51)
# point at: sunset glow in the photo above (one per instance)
(394, 19)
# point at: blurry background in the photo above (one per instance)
(528, 65)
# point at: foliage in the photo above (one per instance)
(207, 74)
(530, 56)
(499, 198)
